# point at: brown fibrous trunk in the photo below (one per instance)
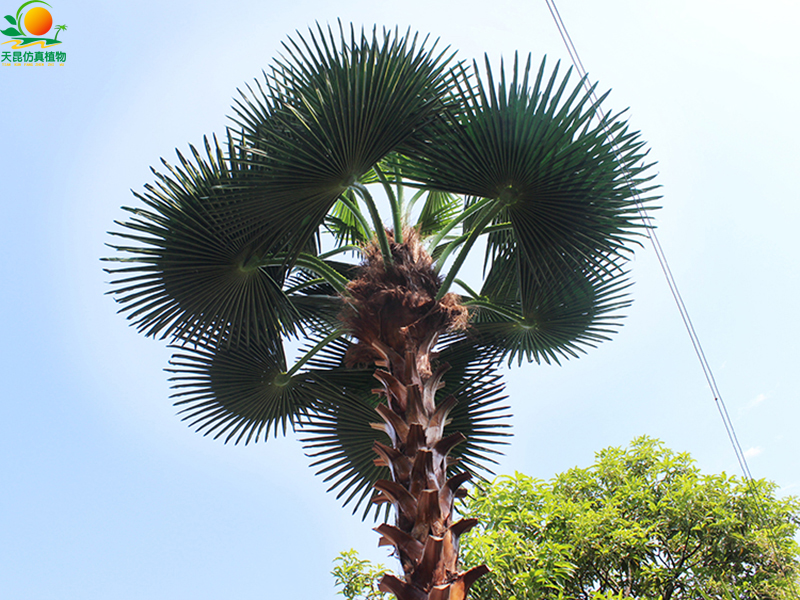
(393, 314)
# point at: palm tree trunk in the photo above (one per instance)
(397, 321)
(425, 537)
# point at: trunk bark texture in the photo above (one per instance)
(397, 321)
(425, 536)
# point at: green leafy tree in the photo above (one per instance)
(642, 522)
(358, 577)
(257, 242)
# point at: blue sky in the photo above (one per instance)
(106, 494)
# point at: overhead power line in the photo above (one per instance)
(662, 260)
(673, 287)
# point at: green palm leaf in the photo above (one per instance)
(439, 209)
(239, 393)
(347, 225)
(479, 391)
(528, 315)
(317, 303)
(327, 113)
(568, 189)
(188, 270)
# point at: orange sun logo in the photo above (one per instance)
(30, 24)
(38, 20)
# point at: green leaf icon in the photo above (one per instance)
(11, 19)
(11, 32)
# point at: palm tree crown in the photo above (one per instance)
(258, 239)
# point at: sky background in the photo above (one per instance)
(106, 494)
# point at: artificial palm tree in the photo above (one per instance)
(276, 235)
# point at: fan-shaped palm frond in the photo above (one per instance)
(438, 211)
(241, 393)
(238, 393)
(327, 113)
(347, 224)
(317, 302)
(189, 270)
(478, 390)
(568, 189)
(527, 315)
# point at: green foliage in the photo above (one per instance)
(641, 522)
(523, 564)
(358, 578)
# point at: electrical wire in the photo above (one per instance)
(662, 261)
(673, 287)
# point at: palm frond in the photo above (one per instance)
(317, 303)
(239, 393)
(568, 188)
(186, 264)
(338, 435)
(318, 314)
(346, 225)
(439, 209)
(328, 111)
(538, 317)
(479, 413)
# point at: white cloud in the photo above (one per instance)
(755, 402)
(754, 451)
